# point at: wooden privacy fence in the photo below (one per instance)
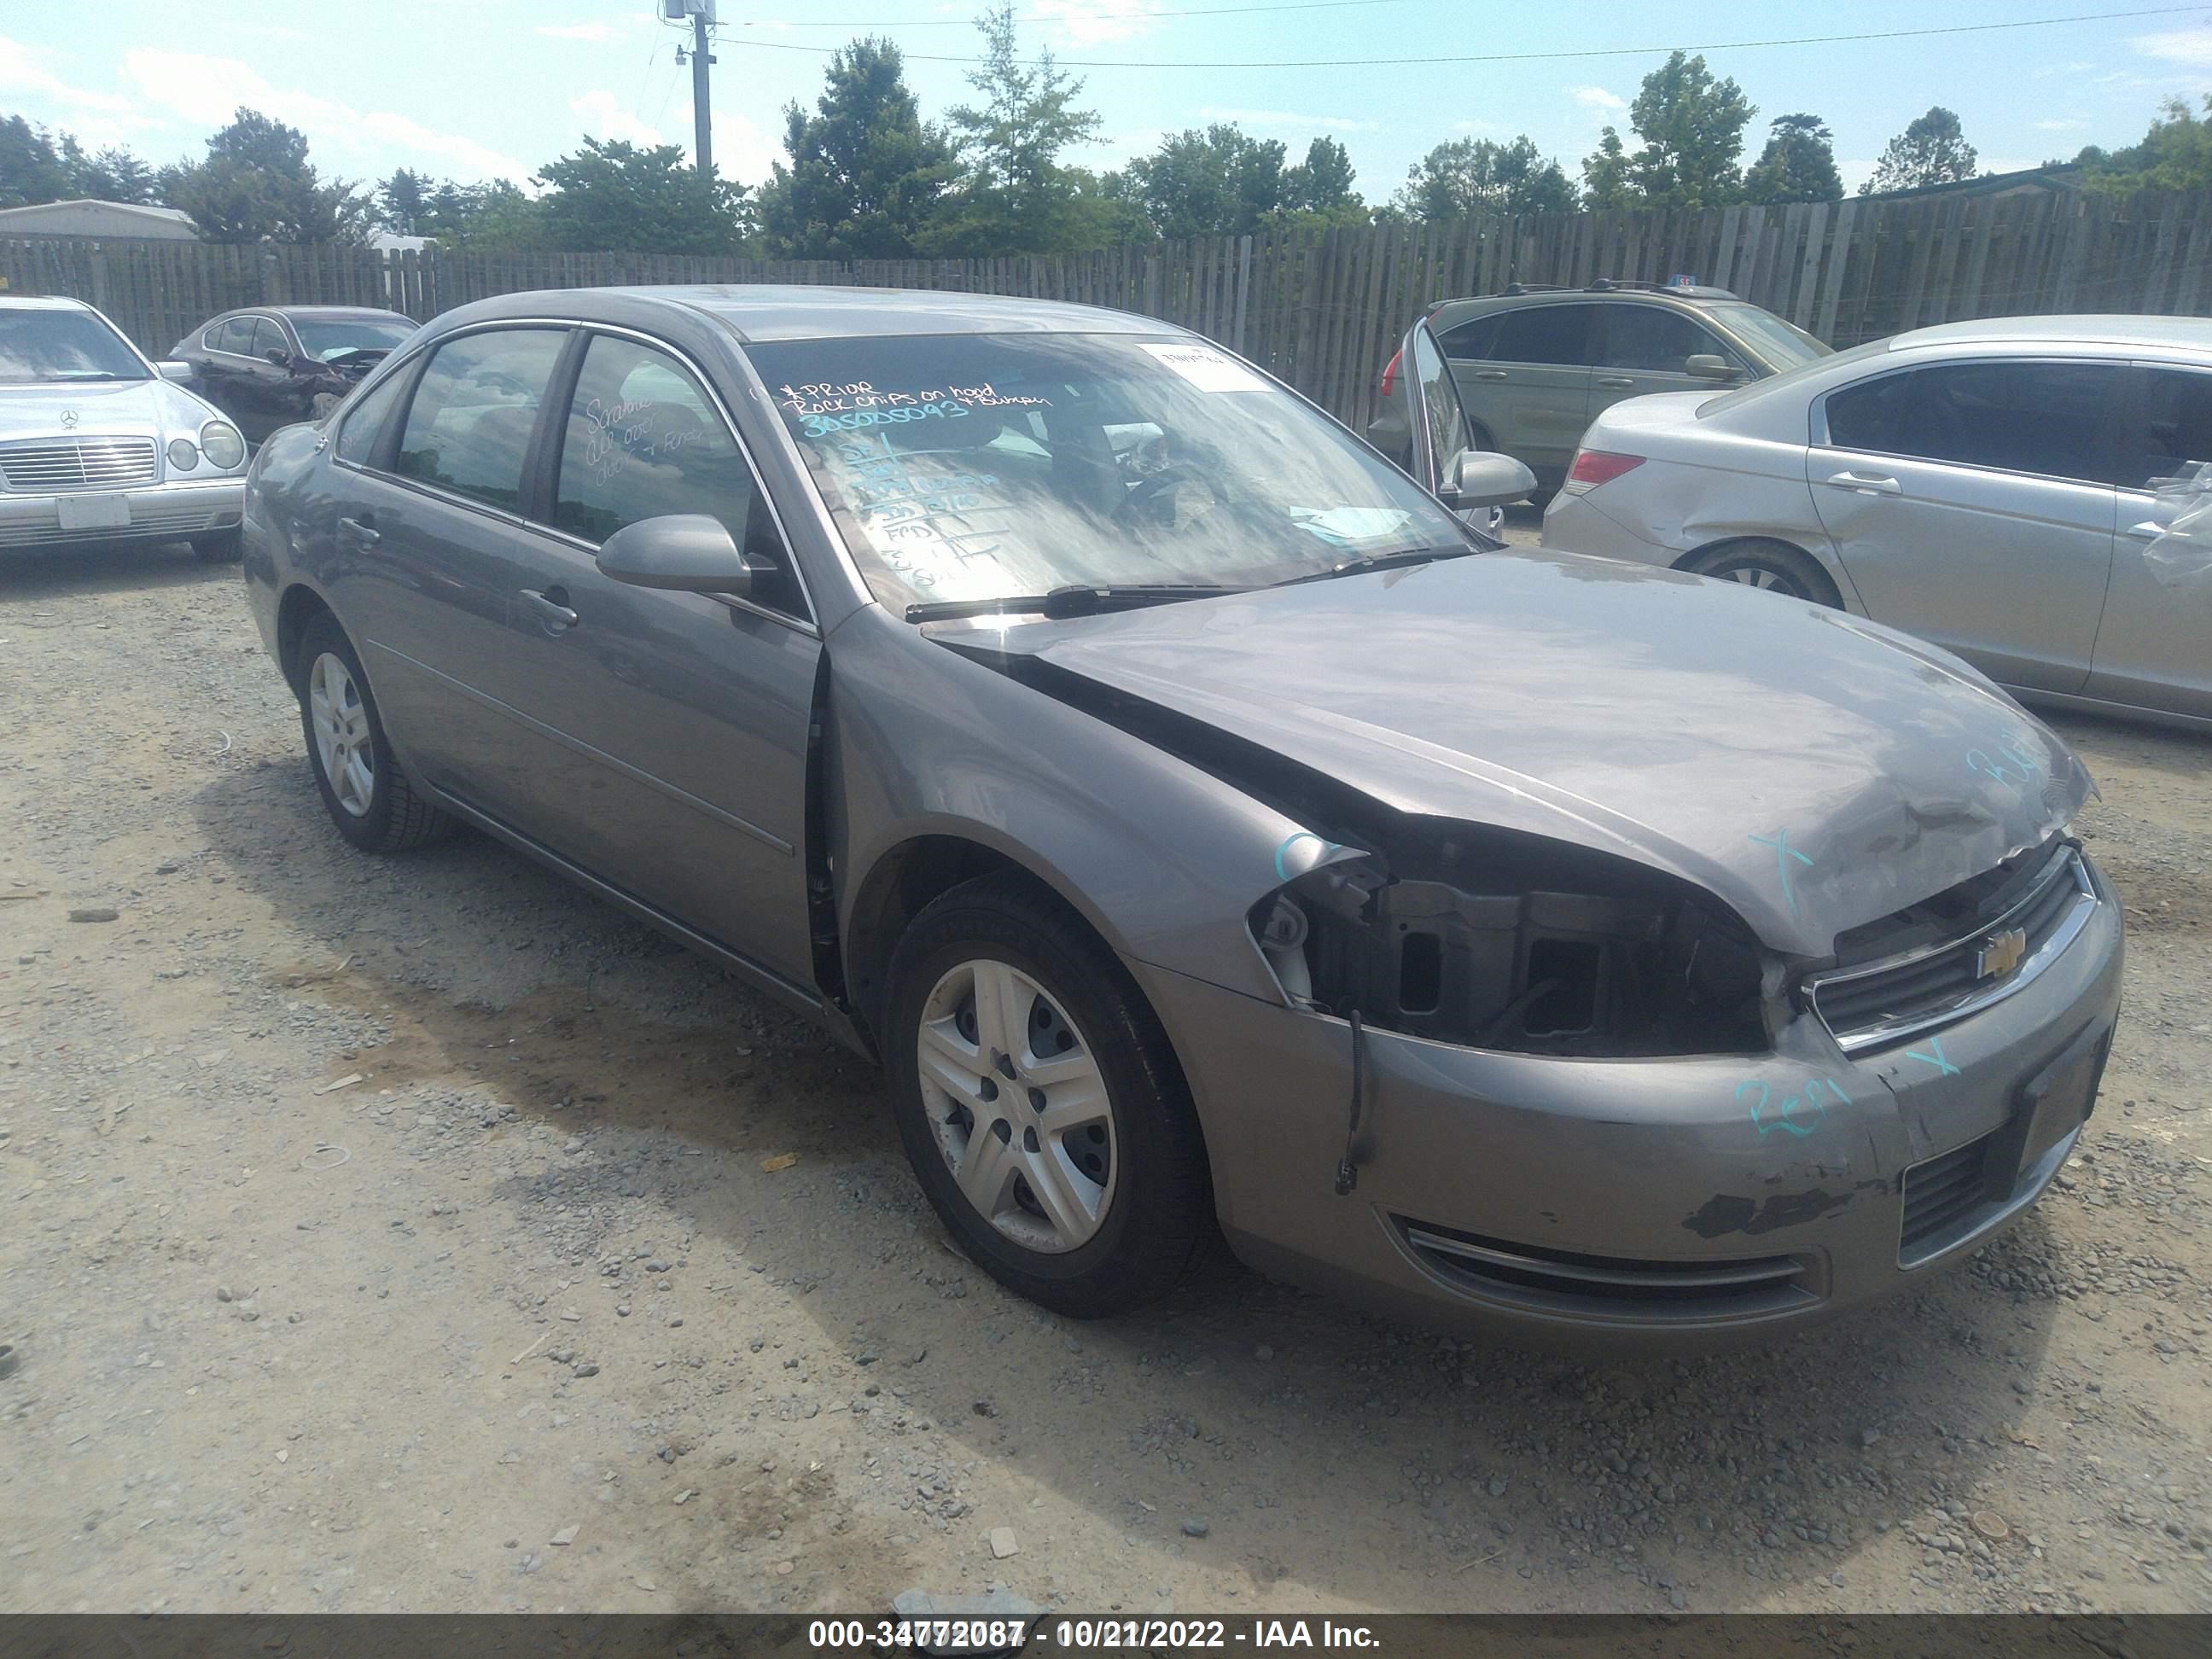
(1323, 310)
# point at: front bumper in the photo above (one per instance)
(1646, 1202)
(169, 511)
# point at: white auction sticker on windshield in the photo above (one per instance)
(1207, 369)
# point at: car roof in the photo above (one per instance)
(768, 312)
(335, 312)
(2188, 333)
(1700, 298)
(40, 302)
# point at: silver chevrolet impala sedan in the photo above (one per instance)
(1205, 826)
(97, 444)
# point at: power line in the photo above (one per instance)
(1134, 17)
(1086, 65)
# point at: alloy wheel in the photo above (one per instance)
(343, 743)
(1018, 1105)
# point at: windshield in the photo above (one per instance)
(46, 346)
(1780, 344)
(325, 338)
(965, 467)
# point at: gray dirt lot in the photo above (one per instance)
(543, 1274)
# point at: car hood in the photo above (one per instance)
(137, 408)
(1813, 771)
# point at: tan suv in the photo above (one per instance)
(1534, 365)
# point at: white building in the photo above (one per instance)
(107, 221)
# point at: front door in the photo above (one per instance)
(669, 730)
(2154, 644)
(1972, 503)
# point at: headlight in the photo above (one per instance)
(184, 454)
(223, 445)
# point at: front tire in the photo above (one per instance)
(221, 547)
(368, 798)
(1776, 566)
(1040, 1105)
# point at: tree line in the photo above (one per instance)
(865, 175)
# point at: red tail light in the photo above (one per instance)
(1592, 467)
(1390, 375)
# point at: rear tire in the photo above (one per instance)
(1050, 1127)
(1776, 566)
(368, 798)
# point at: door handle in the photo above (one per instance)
(1487, 374)
(1867, 483)
(1614, 379)
(2150, 530)
(555, 615)
(361, 530)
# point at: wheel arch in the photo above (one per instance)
(1822, 558)
(300, 606)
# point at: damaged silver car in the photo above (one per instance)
(1203, 824)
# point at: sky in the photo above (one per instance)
(479, 88)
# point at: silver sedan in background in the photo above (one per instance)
(2009, 488)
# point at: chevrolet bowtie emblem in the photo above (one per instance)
(2000, 953)
(68, 417)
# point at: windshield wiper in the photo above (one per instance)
(1382, 561)
(1075, 601)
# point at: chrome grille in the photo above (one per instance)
(57, 466)
(1537, 1277)
(1898, 996)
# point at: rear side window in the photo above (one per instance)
(1544, 334)
(366, 420)
(1656, 340)
(643, 440)
(468, 427)
(1476, 338)
(234, 335)
(2046, 419)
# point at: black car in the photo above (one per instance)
(272, 365)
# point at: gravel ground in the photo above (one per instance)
(421, 1234)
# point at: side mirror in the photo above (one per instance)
(683, 552)
(1482, 477)
(170, 368)
(279, 357)
(1710, 366)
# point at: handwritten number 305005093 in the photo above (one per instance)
(1784, 1117)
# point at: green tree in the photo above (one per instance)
(1691, 126)
(2176, 154)
(1221, 182)
(256, 184)
(1324, 182)
(112, 174)
(31, 170)
(1798, 165)
(1932, 150)
(1476, 175)
(865, 170)
(612, 196)
(1014, 195)
(1606, 182)
(405, 200)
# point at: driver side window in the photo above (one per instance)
(642, 440)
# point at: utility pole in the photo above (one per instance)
(702, 14)
(702, 111)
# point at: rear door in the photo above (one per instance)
(1972, 503)
(427, 537)
(667, 732)
(1531, 390)
(2155, 645)
(1641, 349)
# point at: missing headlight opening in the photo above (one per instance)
(1497, 940)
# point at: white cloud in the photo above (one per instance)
(1277, 117)
(1597, 98)
(2060, 126)
(209, 90)
(577, 31)
(20, 72)
(1854, 173)
(2078, 66)
(1095, 22)
(1478, 124)
(742, 151)
(2191, 47)
(605, 116)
